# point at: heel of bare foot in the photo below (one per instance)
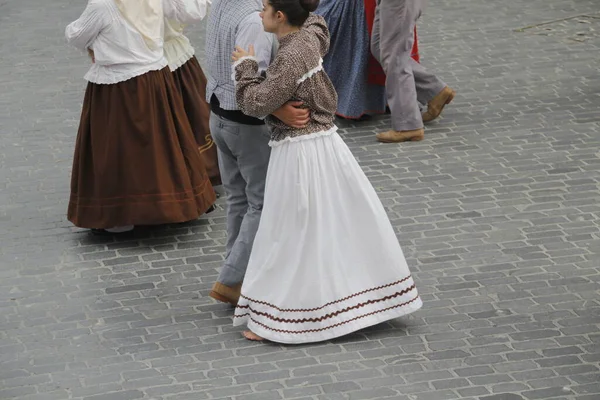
(253, 337)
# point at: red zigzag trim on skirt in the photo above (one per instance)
(331, 315)
(328, 304)
(328, 327)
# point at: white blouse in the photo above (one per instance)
(178, 49)
(119, 49)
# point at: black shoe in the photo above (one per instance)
(104, 232)
(101, 232)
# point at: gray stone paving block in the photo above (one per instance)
(547, 393)
(126, 395)
(260, 396)
(268, 386)
(474, 371)
(450, 383)
(340, 387)
(559, 361)
(187, 396)
(437, 395)
(332, 396)
(515, 366)
(316, 370)
(513, 387)
(241, 390)
(308, 381)
(262, 376)
(298, 362)
(503, 396)
(484, 380)
(354, 374)
(592, 388)
(16, 392)
(549, 382)
(252, 369)
(129, 288)
(587, 378)
(447, 354)
(166, 390)
(379, 393)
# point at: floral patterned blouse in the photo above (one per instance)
(296, 74)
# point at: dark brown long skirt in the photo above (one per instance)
(136, 161)
(191, 82)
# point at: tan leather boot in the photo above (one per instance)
(401, 136)
(437, 104)
(226, 294)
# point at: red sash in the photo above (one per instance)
(376, 76)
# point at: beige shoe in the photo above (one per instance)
(437, 104)
(401, 136)
(226, 294)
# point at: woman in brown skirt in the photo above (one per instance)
(191, 82)
(136, 161)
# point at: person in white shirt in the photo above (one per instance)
(136, 161)
(191, 83)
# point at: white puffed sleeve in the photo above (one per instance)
(186, 11)
(82, 32)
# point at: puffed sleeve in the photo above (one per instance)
(316, 25)
(259, 96)
(186, 11)
(82, 32)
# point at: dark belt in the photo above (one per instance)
(233, 115)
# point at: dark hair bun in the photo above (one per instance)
(309, 5)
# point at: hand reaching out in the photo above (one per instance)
(239, 53)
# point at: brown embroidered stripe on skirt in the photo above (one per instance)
(191, 82)
(136, 161)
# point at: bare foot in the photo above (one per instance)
(252, 336)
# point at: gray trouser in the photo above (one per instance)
(243, 159)
(407, 82)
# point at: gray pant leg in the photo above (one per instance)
(398, 19)
(376, 35)
(428, 85)
(249, 147)
(233, 182)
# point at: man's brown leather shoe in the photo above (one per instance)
(226, 294)
(401, 136)
(437, 104)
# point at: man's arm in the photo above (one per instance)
(251, 32)
(293, 115)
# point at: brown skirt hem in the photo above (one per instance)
(136, 161)
(148, 211)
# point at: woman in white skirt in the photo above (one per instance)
(326, 261)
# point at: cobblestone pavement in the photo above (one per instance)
(498, 211)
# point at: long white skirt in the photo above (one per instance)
(326, 260)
